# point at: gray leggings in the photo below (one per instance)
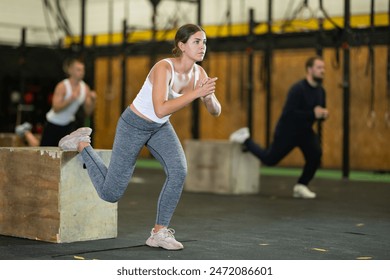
(132, 133)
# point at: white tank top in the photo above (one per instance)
(67, 115)
(143, 102)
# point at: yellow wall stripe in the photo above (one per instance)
(357, 21)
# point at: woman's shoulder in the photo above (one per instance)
(201, 70)
(160, 66)
(163, 63)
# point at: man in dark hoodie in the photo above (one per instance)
(304, 105)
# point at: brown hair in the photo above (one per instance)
(69, 62)
(310, 61)
(183, 34)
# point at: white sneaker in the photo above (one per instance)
(239, 136)
(70, 142)
(86, 131)
(301, 191)
(164, 238)
(22, 128)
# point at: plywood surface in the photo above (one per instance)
(46, 194)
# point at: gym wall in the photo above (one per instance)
(367, 144)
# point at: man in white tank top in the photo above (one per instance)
(69, 95)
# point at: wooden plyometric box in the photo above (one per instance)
(11, 140)
(46, 194)
(221, 167)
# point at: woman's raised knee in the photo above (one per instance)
(110, 196)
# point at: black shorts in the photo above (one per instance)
(53, 133)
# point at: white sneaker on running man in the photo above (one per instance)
(301, 191)
(165, 239)
(239, 136)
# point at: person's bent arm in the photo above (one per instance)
(90, 101)
(210, 101)
(59, 103)
(163, 106)
(212, 104)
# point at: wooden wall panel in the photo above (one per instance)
(137, 70)
(332, 128)
(259, 99)
(368, 145)
(108, 102)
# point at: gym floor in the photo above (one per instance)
(349, 220)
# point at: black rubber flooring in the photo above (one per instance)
(348, 221)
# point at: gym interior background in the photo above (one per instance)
(252, 47)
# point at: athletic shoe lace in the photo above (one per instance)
(169, 232)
